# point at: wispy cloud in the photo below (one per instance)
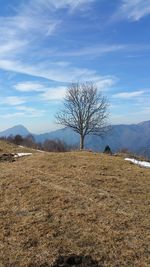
(56, 93)
(61, 4)
(30, 22)
(106, 82)
(29, 86)
(128, 95)
(18, 43)
(133, 10)
(8, 48)
(92, 51)
(52, 71)
(12, 100)
(19, 110)
(45, 93)
(35, 21)
(98, 50)
(12, 115)
(30, 112)
(19, 31)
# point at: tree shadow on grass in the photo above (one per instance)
(75, 260)
(71, 261)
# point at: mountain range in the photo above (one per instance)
(134, 137)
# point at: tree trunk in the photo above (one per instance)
(81, 142)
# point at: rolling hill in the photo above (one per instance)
(90, 205)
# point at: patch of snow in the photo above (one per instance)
(17, 155)
(33, 149)
(140, 163)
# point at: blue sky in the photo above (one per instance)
(46, 44)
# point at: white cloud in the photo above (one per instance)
(128, 95)
(12, 115)
(34, 21)
(134, 10)
(21, 111)
(29, 86)
(30, 112)
(58, 93)
(19, 32)
(106, 82)
(12, 100)
(53, 71)
(31, 20)
(54, 93)
(18, 42)
(11, 47)
(28, 20)
(25, 108)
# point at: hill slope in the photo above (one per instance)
(82, 203)
(6, 147)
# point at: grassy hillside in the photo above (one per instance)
(6, 147)
(74, 203)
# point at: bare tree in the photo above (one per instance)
(85, 110)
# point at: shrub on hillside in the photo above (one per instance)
(107, 150)
(48, 145)
(55, 146)
(29, 141)
(18, 139)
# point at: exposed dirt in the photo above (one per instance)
(7, 157)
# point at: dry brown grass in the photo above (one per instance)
(6, 147)
(76, 202)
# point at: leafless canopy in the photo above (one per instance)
(85, 110)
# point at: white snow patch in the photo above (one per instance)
(17, 155)
(33, 149)
(140, 163)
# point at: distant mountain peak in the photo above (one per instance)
(17, 129)
(19, 126)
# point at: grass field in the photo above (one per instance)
(74, 203)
